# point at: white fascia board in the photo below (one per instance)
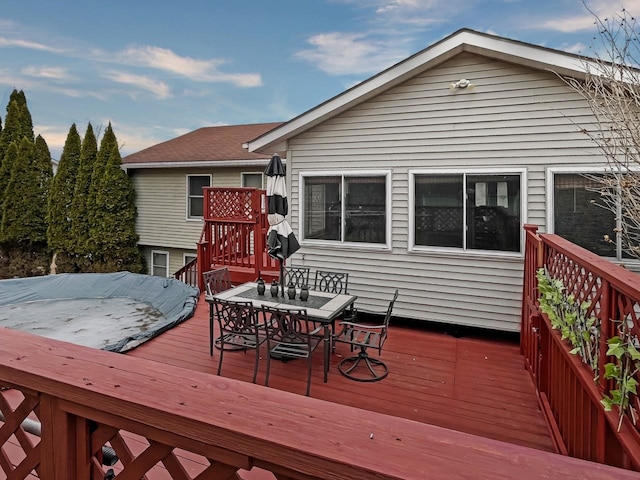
(196, 164)
(463, 41)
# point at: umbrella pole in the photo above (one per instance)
(282, 275)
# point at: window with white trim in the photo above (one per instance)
(468, 211)
(252, 180)
(159, 263)
(195, 195)
(344, 208)
(578, 217)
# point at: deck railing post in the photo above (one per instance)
(65, 454)
(259, 207)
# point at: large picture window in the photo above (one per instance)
(346, 208)
(578, 217)
(479, 211)
(195, 195)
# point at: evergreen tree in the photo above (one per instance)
(23, 225)
(60, 200)
(107, 144)
(17, 123)
(43, 177)
(115, 231)
(16, 223)
(79, 215)
(26, 123)
(5, 175)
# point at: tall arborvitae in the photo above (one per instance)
(26, 123)
(43, 176)
(23, 225)
(107, 144)
(17, 123)
(10, 158)
(115, 232)
(79, 214)
(60, 199)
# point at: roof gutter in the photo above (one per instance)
(198, 164)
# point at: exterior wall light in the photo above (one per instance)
(463, 83)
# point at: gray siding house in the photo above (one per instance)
(422, 177)
(169, 178)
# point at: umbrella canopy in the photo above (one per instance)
(281, 241)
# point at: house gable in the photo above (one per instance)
(464, 40)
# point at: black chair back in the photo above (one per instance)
(216, 281)
(332, 282)
(290, 334)
(299, 276)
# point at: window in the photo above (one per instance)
(195, 195)
(578, 217)
(346, 208)
(188, 258)
(159, 263)
(469, 211)
(252, 180)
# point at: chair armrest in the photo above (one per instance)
(362, 326)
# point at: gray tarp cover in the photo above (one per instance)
(165, 303)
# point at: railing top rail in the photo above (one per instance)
(294, 433)
(620, 278)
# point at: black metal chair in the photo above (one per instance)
(299, 276)
(333, 282)
(217, 280)
(239, 329)
(364, 337)
(290, 334)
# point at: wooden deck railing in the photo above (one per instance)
(234, 232)
(168, 422)
(567, 390)
(189, 274)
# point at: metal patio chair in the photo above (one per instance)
(333, 282)
(299, 276)
(290, 334)
(217, 280)
(363, 336)
(239, 329)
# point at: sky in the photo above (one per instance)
(160, 69)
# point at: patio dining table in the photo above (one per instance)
(322, 307)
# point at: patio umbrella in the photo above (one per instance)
(281, 241)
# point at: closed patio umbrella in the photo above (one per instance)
(281, 241)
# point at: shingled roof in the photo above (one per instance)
(215, 145)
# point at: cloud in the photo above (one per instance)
(160, 89)
(350, 53)
(52, 73)
(193, 68)
(585, 20)
(14, 42)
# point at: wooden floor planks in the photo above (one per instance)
(471, 384)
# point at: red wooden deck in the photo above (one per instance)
(470, 384)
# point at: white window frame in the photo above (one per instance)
(467, 252)
(185, 255)
(244, 174)
(549, 187)
(387, 174)
(152, 264)
(188, 217)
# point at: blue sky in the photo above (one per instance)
(159, 69)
